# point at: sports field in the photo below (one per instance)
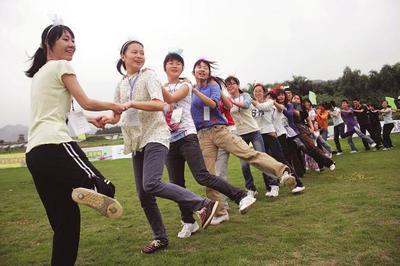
(350, 216)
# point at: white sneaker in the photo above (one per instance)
(246, 203)
(373, 145)
(188, 229)
(287, 179)
(332, 167)
(268, 194)
(298, 189)
(219, 219)
(274, 191)
(252, 193)
(354, 151)
(339, 153)
(385, 149)
(317, 170)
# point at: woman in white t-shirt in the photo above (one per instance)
(185, 147)
(57, 164)
(388, 125)
(146, 136)
(248, 129)
(268, 114)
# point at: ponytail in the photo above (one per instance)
(120, 64)
(39, 59)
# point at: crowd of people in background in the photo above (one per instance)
(173, 124)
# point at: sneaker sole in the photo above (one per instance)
(289, 181)
(245, 210)
(207, 223)
(107, 206)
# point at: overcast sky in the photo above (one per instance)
(267, 41)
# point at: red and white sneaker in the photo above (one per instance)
(207, 213)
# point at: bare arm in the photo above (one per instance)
(334, 113)
(73, 86)
(310, 124)
(279, 107)
(207, 101)
(226, 102)
(153, 105)
(176, 96)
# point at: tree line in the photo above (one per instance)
(371, 88)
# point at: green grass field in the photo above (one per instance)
(350, 216)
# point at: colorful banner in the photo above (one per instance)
(312, 97)
(98, 153)
(12, 160)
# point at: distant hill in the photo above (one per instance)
(10, 133)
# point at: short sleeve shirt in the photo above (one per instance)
(186, 125)
(388, 116)
(336, 116)
(152, 125)
(244, 121)
(50, 103)
(198, 108)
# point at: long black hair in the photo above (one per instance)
(49, 37)
(124, 47)
(210, 65)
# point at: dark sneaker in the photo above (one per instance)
(107, 206)
(154, 246)
(207, 213)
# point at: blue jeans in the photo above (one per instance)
(256, 140)
(324, 133)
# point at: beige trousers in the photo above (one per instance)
(220, 137)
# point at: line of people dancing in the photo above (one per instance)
(164, 124)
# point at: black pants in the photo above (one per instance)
(376, 130)
(338, 131)
(387, 128)
(364, 128)
(273, 144)
(188, 150)
(57, 169)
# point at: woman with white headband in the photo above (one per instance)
(57, 164)
(147, 136)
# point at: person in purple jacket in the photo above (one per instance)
(353, 127)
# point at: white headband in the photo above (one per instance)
(57, 21)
